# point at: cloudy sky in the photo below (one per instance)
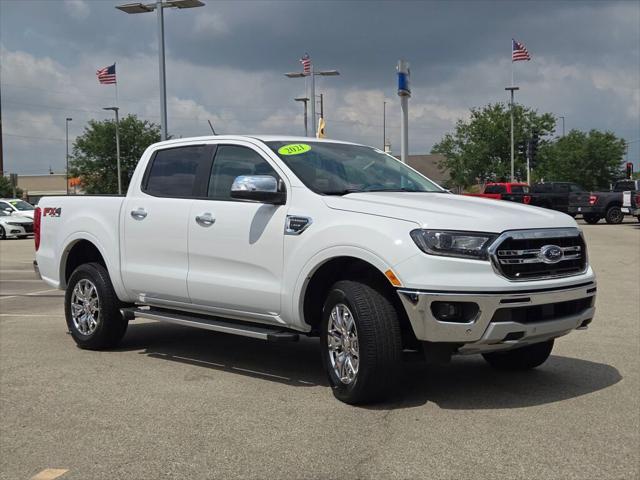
(225, 63)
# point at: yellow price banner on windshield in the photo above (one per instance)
(294, 149)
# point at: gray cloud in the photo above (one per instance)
(225, 63)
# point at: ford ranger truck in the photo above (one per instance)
(275, 237)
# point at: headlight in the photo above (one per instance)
(453, 244)
(15, 224)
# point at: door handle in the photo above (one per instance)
(139, 214)
(205, 220)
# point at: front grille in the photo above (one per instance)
(542, 313)
(535, 254)
(28, 227)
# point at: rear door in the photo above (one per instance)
(236, 256)
(155, 223)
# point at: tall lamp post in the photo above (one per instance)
(159, 6)
(67, 120)
(115, 110)
(512, 89)
(562, 118)
(313, 74)
(304, 100)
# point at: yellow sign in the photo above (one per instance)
(294, 149)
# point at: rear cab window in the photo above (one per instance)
(178, 172)
(495, 189)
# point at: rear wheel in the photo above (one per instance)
(591, 219)
(3, 234)
(92, 308)
(361, 342)
(523, 358)
(614, 215)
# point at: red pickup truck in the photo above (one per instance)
(504, 191)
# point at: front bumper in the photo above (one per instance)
(488, 330)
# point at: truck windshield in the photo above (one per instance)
(338, 169)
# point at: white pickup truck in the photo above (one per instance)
(274, 237)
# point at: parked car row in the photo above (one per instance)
(569, 198)
(16, 218)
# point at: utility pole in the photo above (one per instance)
(67, 120)
(404, 92)
(115, 109)
(1, 147)
(562, 117)
(512, 89)
(304, 100)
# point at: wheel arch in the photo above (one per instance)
(347, 266)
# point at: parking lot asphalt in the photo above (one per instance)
(174, 402)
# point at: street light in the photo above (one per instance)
(67, 120)
(116, 109)
(313, 74)
(304, 100)
(159, 6)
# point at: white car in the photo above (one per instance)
(275, 237)
(17, 207)
(14, 226)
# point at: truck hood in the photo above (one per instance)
(451, 212)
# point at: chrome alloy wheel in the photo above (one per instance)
(85, 307)
(343, 344)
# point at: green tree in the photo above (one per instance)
(593, 160)
(480, 148)
(6, 189)
(94, 152)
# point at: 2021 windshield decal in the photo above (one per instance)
(294, 149)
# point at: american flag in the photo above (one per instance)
(306, 64)
(519, 52)
(107, 75)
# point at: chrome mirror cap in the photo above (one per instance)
(255, 183)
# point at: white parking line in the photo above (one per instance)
(30, 294)
(50, 474)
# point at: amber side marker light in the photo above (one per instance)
(392, 278)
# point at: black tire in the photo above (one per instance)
(3, 234)
(591, 218)
(523, 358)
(379, 342)
(111, 326)
(614, 215)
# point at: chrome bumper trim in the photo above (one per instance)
(426, 327)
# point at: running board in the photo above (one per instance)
(216, 324)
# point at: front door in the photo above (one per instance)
(236, 247)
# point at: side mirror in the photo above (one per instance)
(258, 188)
(8, 210)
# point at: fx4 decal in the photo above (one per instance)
(51, 212)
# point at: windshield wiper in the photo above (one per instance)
(343, 192)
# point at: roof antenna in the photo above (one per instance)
(211, 125)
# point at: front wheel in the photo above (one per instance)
(92, 308)
(591, 219)
(614, 215)
(3, 234)
(523, 358)
(361, 342)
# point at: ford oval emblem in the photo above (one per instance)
(551, 254)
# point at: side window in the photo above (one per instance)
(495, 189)
(230, 162)
(562, 188)
(174, 171)
(517, 189)
(575, 188)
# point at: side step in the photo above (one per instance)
(261, 332)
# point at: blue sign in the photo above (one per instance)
(403, 84)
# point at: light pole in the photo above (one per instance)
(67, 120)
(512, 89)
(404, 92)
(313, 74)
(304, 100)
(116, 109)
(562, 117)
(159, 6)
(384, 126)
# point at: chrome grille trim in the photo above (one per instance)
(511, 257)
